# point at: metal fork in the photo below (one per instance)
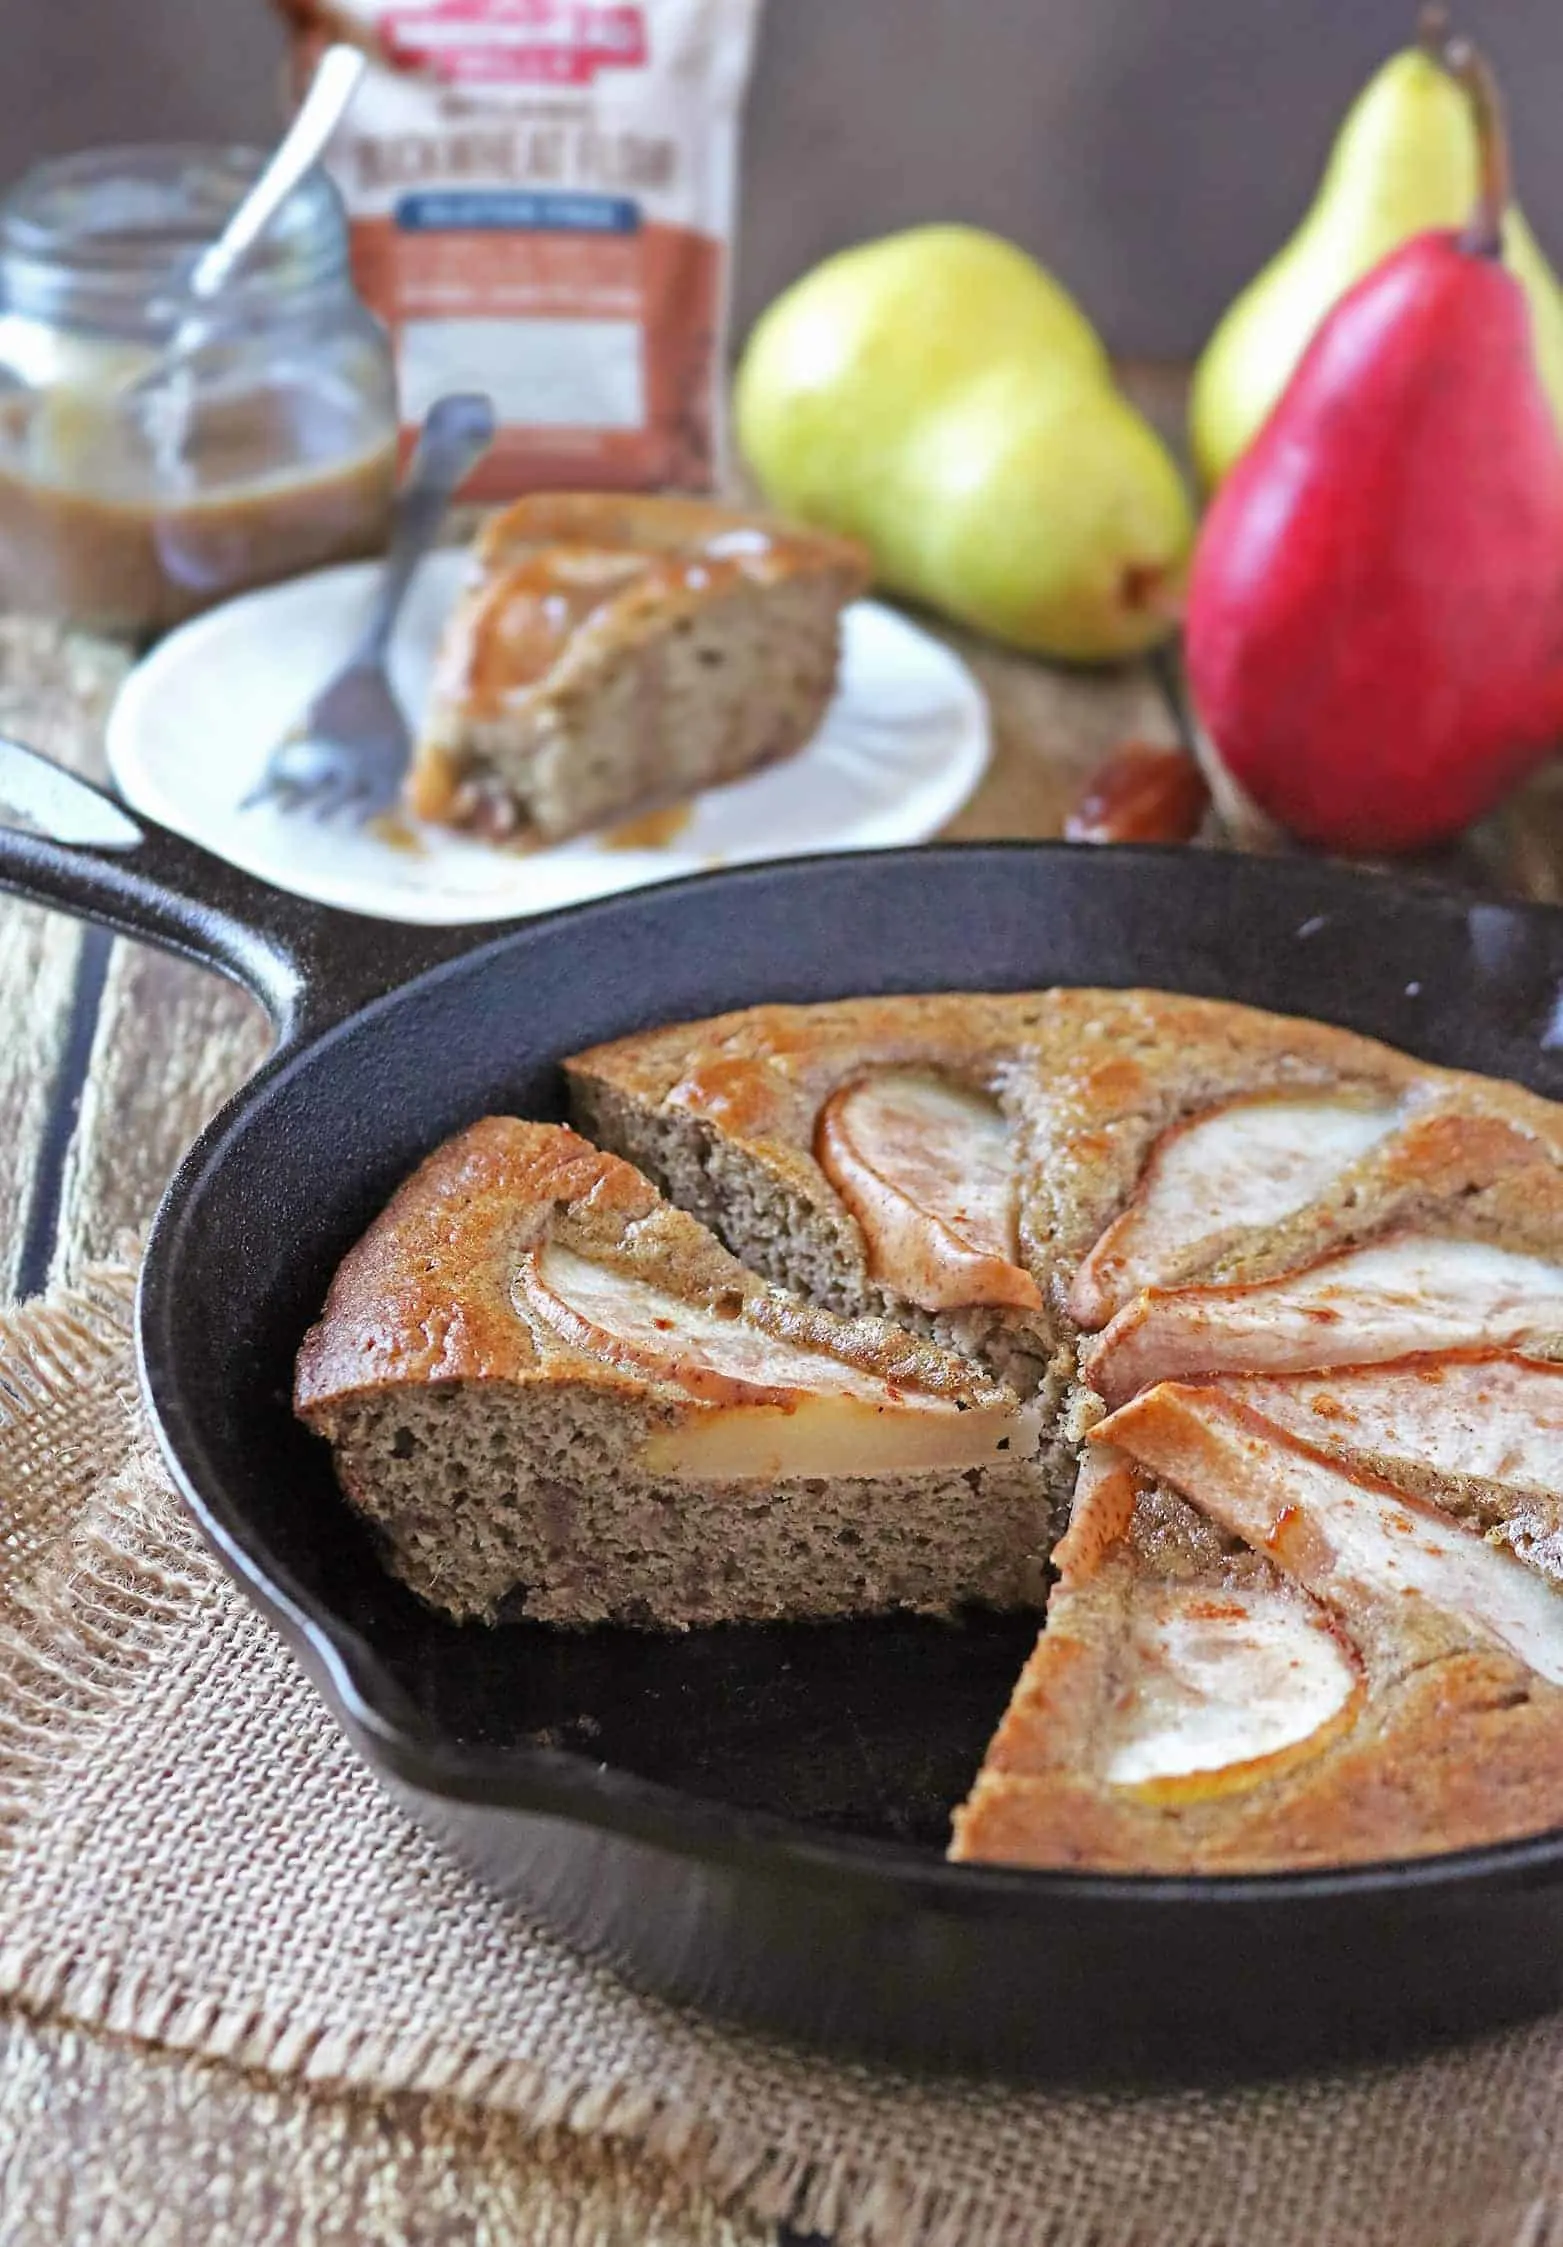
(348, 754)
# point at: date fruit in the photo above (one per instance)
(1141, 794)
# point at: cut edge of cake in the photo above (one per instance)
(556, 1395)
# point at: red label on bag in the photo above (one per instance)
(517, 42)
(540, 194)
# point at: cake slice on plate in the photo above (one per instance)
(614, 653)
(555, 1393)
(1256, 1657)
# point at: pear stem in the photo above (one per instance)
(1482, 234)
(1432, 30)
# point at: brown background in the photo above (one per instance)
(1152, 151)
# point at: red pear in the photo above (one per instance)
(1375, 615)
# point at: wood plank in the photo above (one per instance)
(54, 696)
(172, 1042)
(169, 1042)
(1051, 729)
(38, 958)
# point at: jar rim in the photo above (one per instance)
(126, 224)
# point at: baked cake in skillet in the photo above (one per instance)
(546, 1385)
(1292, 1300)
(613, 653)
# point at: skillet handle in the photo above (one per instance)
(67, 844)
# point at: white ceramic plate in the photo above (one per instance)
(902, 747)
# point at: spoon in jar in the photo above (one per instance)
(319, 114)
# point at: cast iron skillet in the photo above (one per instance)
(751, 1819)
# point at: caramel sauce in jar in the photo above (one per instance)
(134, 553)
(156, 460)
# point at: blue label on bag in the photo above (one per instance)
(515, 210)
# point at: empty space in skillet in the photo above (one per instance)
(872, 1728)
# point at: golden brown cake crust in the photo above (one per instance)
(426, 1296)
(760, 1076)
(1093, 1079)
(1468, 1751)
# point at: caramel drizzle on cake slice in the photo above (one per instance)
(927, 1168)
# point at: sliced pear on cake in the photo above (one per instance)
(1456, 1416)
(1173, 1685)
(1215, 1683)
(1220, 1688)
(927, 1168)
(778, 1408)
(1338, 1533)
(1257, 1659)
(1391, 1299)
(1249, 1163)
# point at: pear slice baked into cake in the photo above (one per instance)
(551, 1390)
(614, 653)
(1479, 1433)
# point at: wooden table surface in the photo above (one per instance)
(114, 1056)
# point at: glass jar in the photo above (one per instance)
(141, 481)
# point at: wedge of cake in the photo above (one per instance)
(1345, 1271)
(556, 1394)
(870, 1152)
(1257, 1657)
(613, 653)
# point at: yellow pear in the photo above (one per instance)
(938, 396)
(1405, 160)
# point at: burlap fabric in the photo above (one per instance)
(193, 1863)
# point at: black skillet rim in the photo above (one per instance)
(562, 1783)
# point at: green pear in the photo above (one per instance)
(938, 396)
(1405, 160)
